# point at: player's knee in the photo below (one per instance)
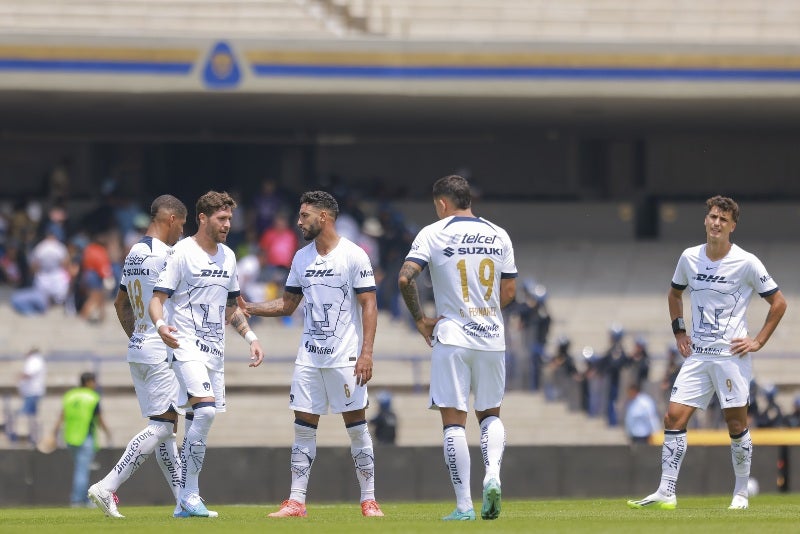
(160, 429)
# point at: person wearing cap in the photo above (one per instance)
(80, 416)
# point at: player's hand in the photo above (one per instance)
(166, 336)
(684, 344)
(425, 328)
(744, 345)
(242, 305)
(256, 354)
(363, 370)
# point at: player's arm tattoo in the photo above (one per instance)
(125, 315)
(237, 318)
(409, 291)
(286, 305)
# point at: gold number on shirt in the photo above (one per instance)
(485, 277)
(135, 296)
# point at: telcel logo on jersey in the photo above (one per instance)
(313, 349)
(473, 239)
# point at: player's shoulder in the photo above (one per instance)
(694, 251)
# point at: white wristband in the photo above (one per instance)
(159, 324)
(250, 336)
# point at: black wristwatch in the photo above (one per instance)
(678, 325)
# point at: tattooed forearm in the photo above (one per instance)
(126, 319)
(277, 307)
(408, 288)
(239, 322)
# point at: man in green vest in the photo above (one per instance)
(80, 417)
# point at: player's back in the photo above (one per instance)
(141, 270)
(467, 257)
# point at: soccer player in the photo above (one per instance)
(154, 381)
(471, 263)
(716, 345)
(200, 278)
(334, 361)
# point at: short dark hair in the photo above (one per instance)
(724, 204)
(169, 204)
(456, 188)
(87, 377)
(212, 202)
(322, 201)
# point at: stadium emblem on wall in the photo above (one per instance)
(221, 70)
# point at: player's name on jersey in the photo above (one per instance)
(486, 311)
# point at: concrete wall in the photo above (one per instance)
(261, 476)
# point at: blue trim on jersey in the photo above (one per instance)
(300, 422)
(770, 292)
(233, 294)
(421, 263)
(678, 286)
(168, 292)
(123, 288)
(360, 290)
(148, 240)
(294, 290)
(470, 219)
(351, 425)
(508, 275)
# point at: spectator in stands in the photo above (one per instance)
(80, 416)
(32, 387)
(336, 279)
(641, 417)
(639, 363)
(562, 375)
(722, 278)
(49, 261)
(96, 278)
(267, 203)
(771, 415)
(278, 243)
(793, 419)
(466, 333)
(384, 425)
(610, 366)
(536, 322)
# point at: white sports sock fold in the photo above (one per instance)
(457, 460)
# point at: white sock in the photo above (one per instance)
(456, 458)
(304, 450)
(194, 449)
(363, 458)
(170, 464)
(672, 453)
(136, 452)
(742, 457)
(187, 425)
(493, 443)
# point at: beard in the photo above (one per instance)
(311, 233)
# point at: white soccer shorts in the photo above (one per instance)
(197, 380)
(455, 371)
(316, 390)
(698, 380)
(156, 387)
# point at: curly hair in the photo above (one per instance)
(212, 202)
(322, 201)
(724, 204)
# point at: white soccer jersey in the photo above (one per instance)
(332, 329)
(719, 292)
(199, 285)
(143, 266)
(467, 257)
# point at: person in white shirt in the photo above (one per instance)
(334, 360)
(471, 263)
(200, 279)
(716, 343)
(32, 387)
(154, 380)
(641, 416)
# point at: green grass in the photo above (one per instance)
(767, 514)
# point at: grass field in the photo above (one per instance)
(767, 514)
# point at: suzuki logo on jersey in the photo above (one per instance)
(448, 252)
(711, 279)
(318, 273)
(213, 273)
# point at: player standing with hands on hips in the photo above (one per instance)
(471, 263)
(200, 277)
(334, 361)
(721, 278)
